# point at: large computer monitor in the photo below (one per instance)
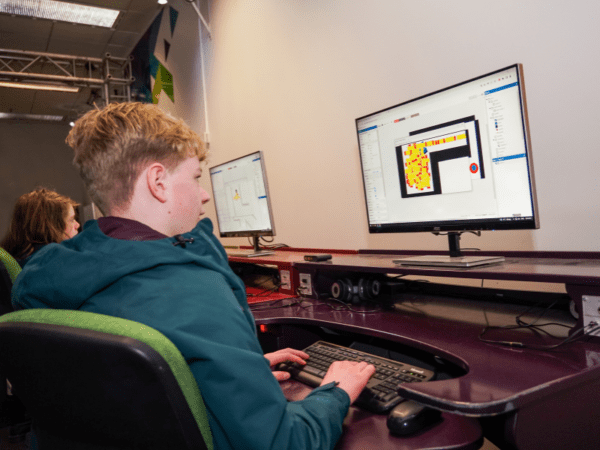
(454, 160)
(241, 198)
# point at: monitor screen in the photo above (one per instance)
(457, 159)
(241, 197)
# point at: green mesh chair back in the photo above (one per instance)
(94, 382)
(12, 266)
(9, 269)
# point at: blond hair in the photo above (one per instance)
(39, 217)
(114, 144)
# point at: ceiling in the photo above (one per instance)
(61, 38)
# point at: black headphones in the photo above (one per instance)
(347, 291)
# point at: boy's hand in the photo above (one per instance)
(286, 354)
(352, 376)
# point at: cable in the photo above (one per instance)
(347, 307)
(273, 305)
(524, 325)
(275, 246)
(532, 325)
(261, 284)
(300, 290)
(261, 294)
(571, 338)
(262, 238)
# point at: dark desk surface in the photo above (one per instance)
(515, 391)
(517, 269)
(549, 267)
(498, 379)
(365, 431)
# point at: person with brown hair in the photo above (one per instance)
(40, 217)
(153, 260)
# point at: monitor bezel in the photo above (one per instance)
(247, 233)
(471, 224)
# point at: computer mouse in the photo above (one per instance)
(409, 417)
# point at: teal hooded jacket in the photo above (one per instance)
(191, 295)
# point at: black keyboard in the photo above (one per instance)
(379, 396)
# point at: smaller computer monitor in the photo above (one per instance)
(242, 200)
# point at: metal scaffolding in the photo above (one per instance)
(112, 76)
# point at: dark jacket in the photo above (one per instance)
(191, 295)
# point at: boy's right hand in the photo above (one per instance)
(352, 376)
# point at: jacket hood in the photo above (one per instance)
(53, 276)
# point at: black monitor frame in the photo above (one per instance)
(453, 227)
(255, 234)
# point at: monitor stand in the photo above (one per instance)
(455, 259)
(256, 251)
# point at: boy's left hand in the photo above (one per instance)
(286, 354)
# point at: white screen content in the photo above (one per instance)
(240, 195)
(456, 155)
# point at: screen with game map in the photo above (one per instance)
(241, 197)
(457, 159)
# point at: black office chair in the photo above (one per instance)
(9, 270)
(94, 382)
(12, 412)
(5, 306)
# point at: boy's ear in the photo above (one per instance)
(156, 180)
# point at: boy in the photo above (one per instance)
(151, 261)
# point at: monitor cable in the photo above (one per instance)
(269, 243)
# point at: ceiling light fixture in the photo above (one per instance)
(63, 11)
(162, 2)
(39, 87)
(31, 116)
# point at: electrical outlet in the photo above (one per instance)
(305, 284)
(592, 358)
(591, 314)
(284, 276)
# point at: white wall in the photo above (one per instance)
(290, 77)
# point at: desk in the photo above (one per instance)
(578, 271)
(524, 398)
(365, 431)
